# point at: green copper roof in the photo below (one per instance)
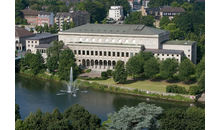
(116, 29)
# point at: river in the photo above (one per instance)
(32, 93)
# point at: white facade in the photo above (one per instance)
(116, 13)
(99, 47)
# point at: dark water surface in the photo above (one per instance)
(32, 93)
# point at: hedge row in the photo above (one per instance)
(193, 90)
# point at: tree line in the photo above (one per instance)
(58, 62)
(142, 116)
(144, 63)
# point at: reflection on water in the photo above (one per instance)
(32, 93)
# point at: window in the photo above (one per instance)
(113, 54)
(31, 41)
(16, 41)
(162, 54)
(122, 54)
(28, 41)
(188, 55)
(28, 45)
(118, 54)
(172, 54)
(127, 54)
(87, 53)
(91, 52)
(96, 53)
(126, 41)
(189, 50)
(177, 55)
(167, 54)
(31, 45)
(74, 51)
(104, 53)
(83, 52)
(158, 54)
(106, 40)
(131, 54)
(177, 59)
(100, 53)
(79, 52)
(35, 41)
(109, 53)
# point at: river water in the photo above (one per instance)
(32, 93)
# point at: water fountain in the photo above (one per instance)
(71, 87)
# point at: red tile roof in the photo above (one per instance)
(21, 32)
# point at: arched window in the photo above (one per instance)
(113, 40)
(106, 40)
(87, 39)
(100, 39)
(119, 40)
(93, 39)
(126, 41)
(133, 41)
(80, 39)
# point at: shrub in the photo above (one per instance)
(159, 76)
(175, 89)
(104, 74)
(193, 90)
(176, 77)
(93, 85)
(85, 83)
(88, 70)
(109, 72)
(192, 77)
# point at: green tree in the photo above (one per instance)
(40, 28)
(164, 21)
(81, 6)
(46, 28)
(201, 81)
(119, 75)
(175, 4)
(178, 119)
(34, 121)
(52, 63)
(168, 68)
(151, 67)
(38, 63)
(134, 65)
(35, 7)
(32, 30)
(80, 118)
(55, 49)
(148, 20)
(20, 125)
(66, 61)
(63, 8)
(72, 25)
(187, 6)
(173, 119)
(200, 68)
(139, 117)
(104, 21)
(65, 25)
(186, 69)
(17, 112)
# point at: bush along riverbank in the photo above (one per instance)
(139, 92)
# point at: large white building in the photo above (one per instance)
(100, 46)
(116, 13)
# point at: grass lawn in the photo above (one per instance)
(159, 86)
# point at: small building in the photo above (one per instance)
(78, 17)
(44, 38)
(171, 11)
(21, 35)
(31, 16)
(116, 13)
(45, 17)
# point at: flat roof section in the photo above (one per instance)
(164, 51)
(44, 46)
(119, 44)
(179, 42)
(42, 36)
(116, 29)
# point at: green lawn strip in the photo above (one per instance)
(159, 86)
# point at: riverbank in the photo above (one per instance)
(138, 92)
(122, 89)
